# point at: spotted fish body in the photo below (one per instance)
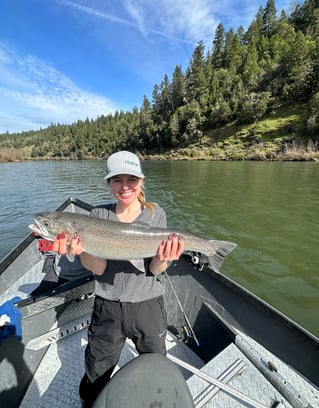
(121, 241)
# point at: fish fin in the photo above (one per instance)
(69, 257)
(224, 248)
(138, 263)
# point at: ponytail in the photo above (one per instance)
(142, 199)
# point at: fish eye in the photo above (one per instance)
(47, 223)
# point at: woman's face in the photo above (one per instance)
(126, 188)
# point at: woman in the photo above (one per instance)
(129, 295)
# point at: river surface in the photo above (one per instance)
(269, 209)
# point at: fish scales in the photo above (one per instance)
(120, 241)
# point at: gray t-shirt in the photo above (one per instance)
(122, 281)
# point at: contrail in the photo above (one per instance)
(118, 20)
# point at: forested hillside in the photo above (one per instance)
(252, 94)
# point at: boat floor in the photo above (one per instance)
(56, 380)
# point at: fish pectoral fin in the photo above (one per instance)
(70, 257)
(138, 263)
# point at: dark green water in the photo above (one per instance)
(269, 209)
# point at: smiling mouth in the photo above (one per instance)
(127, 193)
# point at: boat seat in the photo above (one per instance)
(148, 380)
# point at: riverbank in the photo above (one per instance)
(203, 150)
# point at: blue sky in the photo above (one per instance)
(65, 60)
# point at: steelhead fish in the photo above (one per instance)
(123, 241)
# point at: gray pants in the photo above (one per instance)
(145, 323)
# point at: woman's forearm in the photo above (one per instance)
(93, 264)
(157, 266)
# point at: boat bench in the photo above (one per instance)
(232, 367)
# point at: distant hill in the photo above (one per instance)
(253, 95)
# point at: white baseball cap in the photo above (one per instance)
(123, 162)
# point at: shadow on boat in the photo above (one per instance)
(14, 371)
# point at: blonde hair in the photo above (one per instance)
(142, 199)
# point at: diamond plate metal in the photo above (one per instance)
(56, 381)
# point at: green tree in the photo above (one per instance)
(146, 126)
(296, 68)
(233, 56)
(255, 29)
(270, 18)
(178, 90)
(254, 106)
(305, 17)
(251, 69)
(217, 56)
(197, 77)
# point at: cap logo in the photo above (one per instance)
(131, 163)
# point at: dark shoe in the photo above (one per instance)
(89, 391)
(86, 403)
(86, 390)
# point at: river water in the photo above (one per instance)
(269, 209)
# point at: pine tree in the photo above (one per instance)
(197, 78)
(217, 57)
(178, 91)
(270, 18)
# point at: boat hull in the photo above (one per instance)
(212, 311)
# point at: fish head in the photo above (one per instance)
(49, 224)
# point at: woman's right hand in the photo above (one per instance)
(63, 247)
(74, 247)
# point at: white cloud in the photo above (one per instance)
(186, 20)
(136, 12)
(94, 12)
(34, 94)
(194, 20)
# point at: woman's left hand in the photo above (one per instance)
(171, 248)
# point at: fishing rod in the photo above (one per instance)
(182, 310)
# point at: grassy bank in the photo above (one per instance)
(263, 151)
(279, 137)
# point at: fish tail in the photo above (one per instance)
(223, 249)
